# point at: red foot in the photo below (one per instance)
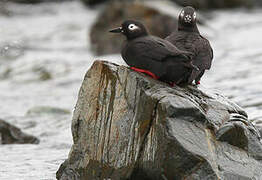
(172, 84)
(198, 82)
(145, 72)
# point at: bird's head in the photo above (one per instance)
(187, 16)
(131, 29)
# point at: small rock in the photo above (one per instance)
(11, 51)
(258, 124)
(240, 132)
(260, 130)
(115, 13)
(12, 135)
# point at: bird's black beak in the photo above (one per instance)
(117, 30)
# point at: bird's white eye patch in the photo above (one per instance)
(194, 15)
(182, 13)
(132, 27)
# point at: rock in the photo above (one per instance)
(102, 42)
(11, 51)
(212, 4)
(3, 10)
(128, 126)
(237, 132)
(260, 130)
(10, 134)
(258, 124)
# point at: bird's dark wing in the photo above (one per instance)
(184, 41)
(205, 54)
(157, 49)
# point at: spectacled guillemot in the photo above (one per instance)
(188, 38)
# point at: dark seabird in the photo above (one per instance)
(154, 56)
(188, 38)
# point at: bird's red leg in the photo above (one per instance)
(172, 84)
(145, 72)
(198, 82)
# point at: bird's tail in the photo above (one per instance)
(187, 61)
(188, 55)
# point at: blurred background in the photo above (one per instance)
(46, 46)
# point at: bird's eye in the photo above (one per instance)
(194, 15)
(132, 27)
(182, 13)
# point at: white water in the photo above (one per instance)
(54, 37)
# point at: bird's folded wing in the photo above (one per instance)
(155, 49)
(205, 55)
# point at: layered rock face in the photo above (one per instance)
(129, 126)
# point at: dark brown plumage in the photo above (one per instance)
(188, 38)
(154, 54)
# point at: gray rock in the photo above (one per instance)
(103, 42)
(260, 130)
(128, 126)
(11, 51)
(258, 124)
(10, 134)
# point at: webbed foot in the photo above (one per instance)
(145, 72)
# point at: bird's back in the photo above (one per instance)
(196, 44)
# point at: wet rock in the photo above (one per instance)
(38, 110)
(238, 131)
(128, 126)
(258, 124)
(3, 10)
(260, 130)
(212, 4)
(115, 13)
(10, 134)
(11, 51)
